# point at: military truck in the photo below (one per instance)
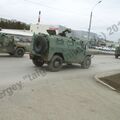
(55, 50)
(10, 46)
(117, 52)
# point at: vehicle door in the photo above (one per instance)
(71, 56)
(2, 43)
(80, 50)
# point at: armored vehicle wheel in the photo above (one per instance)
(38, 62)
(19, 52)
(116, 56)
(55, 64)
(86, 63)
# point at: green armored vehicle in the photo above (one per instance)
(117, 52)
(55, 50)
(10, 46)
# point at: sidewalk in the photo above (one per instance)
(110, 79)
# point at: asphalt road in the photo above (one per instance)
(70, 94)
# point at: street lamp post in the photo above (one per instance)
(90, 22)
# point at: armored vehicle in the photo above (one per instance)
(10, 46)
(117, 52)
(55, 50)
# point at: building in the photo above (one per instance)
(41, 28)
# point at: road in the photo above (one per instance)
(70, 94)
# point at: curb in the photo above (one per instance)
(105, 75)
(105, 84)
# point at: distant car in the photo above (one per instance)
(117, 52)
(98, 48)
(106, 49)
(112, 49)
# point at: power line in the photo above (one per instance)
(50, 7)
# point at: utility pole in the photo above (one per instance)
(90, 22)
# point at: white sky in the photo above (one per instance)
(70, 13)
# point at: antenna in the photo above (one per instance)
(39, 17)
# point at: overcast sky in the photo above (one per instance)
(70, 13)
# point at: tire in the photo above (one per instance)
(40, 44)
(86, 63)
(38, 62)
(116, 56)
(55, 64)
(19, 52)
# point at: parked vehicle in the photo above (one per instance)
(117, 52)
(9, 44)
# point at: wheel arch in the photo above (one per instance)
(20, 47)
(59, 54)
